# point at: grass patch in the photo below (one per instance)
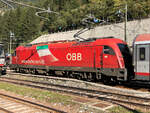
(53, 97)
(38, 94)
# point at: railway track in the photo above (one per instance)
(118, 88)
(108, 96)
(38, 76)
(11, 104)
(2, 110)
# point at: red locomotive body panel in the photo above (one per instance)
(87, 56)
(69, 54)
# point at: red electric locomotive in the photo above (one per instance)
(106, 58)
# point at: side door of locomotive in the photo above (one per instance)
(97, 61)
(142, 62)
(109, 59)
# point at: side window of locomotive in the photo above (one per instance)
(108, 50)
(142, 53)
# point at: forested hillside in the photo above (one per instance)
(26, 26)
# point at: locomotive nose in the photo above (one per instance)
(122, 63)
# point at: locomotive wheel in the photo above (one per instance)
(70, 75)
(22, 70)
(34, 71)
(106, 80)
(17, 70)
(30, 71)
(51, 73)
(26, 71)
(78, 76)
(94, 78)
(65, 74)
(109, 80)
(89, 76)
(114, 82)
(47, 73)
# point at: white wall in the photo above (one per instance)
(117, 30)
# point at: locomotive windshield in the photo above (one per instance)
(1, 51)
(127, 57)
(124, 49)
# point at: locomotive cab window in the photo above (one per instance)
(142, 53)
(108, 50)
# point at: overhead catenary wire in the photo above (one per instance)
(19, 3)
(88, 21)
(7, 2)
(46, 11)
(9, 5)
(42, 10)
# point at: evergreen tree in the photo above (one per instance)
(26, 25)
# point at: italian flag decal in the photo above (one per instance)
(45, 54)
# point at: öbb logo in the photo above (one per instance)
(74, 56)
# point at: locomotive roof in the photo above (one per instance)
(142, 39)
(90, 42)
(64, 41)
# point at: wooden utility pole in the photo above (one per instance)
(125, 22)
(11, 37)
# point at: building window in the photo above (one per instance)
(142, 53)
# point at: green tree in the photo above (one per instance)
(29, 25)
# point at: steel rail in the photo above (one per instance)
(9, 5)
(36, 105)
(5, 110)
(82, 89)
(81, 92)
